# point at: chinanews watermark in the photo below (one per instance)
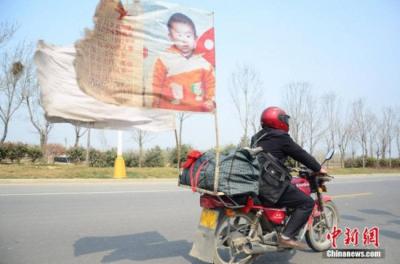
(354, 253)
(368, 238)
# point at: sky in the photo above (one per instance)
(349, 47)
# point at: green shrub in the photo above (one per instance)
(370, 162)
(358, 162)
(109, 157)
(34, 153)
(173, 154)
(353, 163)
(131, 159)
(396, 163)
(384, 163)
(16, 151)
(96, 159)
(3, 152)
(154, 157)
(348, 163)
(77, 154)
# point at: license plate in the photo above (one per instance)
(209, 218)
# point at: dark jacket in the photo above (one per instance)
(281, 146)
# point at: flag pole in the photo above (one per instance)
(217, 153)
(178, 150)
(88, 147)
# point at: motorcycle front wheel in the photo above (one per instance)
(230, 230)
(316, 236)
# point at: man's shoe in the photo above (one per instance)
(290, 243)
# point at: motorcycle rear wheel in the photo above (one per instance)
(316, 236)
(231, 227)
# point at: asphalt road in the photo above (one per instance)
(154, 222)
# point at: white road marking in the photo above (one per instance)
(350, 195)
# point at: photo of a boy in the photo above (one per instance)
(182, 79)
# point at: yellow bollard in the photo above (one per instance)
(119, 168)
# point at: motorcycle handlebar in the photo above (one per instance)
(318, 175)
(325, 177)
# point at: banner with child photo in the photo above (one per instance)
(149, 54)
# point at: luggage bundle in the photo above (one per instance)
(238, 172)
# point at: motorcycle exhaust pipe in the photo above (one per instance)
(257, 248)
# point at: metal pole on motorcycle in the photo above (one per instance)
(178, 150)
(216, 173)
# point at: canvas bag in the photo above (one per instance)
(238, 173)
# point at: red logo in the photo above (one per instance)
(351, 236)
(334, 235)
(371, 236)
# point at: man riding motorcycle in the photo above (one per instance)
(278, 191)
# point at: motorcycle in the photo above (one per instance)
(235, 233)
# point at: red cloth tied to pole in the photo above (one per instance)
(191, 158)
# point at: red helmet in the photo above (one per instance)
(275, 117)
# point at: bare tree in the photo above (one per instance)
(387, 132)
(361, 119)
(295, 101)
(14, 80)
(396, 130)
(141, 137)
(247, 95)
(353, 148)
(79, 132)
(36, 113)
(372, 134)
(6, 32)
(397, 136)
(103, 139)
(313, 130)
(330, 108)
(345, 133)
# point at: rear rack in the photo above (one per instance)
(219, 195)
(201, 191)
(232, 205)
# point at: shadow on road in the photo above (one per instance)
(394, 222)
(137, 247)
(352, 217)
(376, 212)
(152, 245)
(389, 233)
(385, 232)
(276, 257)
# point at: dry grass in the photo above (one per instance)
(344, 171)
(70, 171)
